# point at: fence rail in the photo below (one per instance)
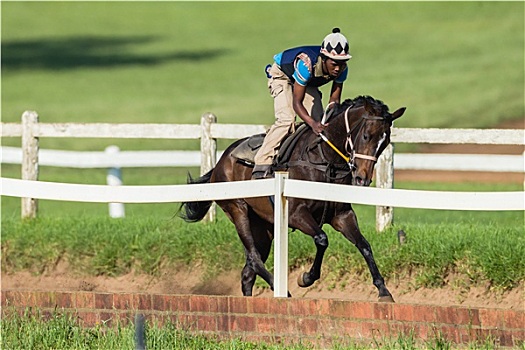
(103, 159)
(236, 131)
(443, 200)
(30, 130)
(140, 159)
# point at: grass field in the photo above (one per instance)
(485, 247)
(452, 64)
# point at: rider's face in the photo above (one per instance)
(334, 68)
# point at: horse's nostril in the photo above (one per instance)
(359, 181)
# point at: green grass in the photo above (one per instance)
(35, 330)
(60, 330)
(452, 64)
(483, 247)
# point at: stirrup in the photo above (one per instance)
(260, 171)
(258, 175)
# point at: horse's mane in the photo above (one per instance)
(377, 105)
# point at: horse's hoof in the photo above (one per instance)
(386, 299)
(301, 280)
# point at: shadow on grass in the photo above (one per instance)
(91, 52)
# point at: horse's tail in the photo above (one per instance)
(195, 211)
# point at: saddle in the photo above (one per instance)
(246, 150)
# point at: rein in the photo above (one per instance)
(325, 139)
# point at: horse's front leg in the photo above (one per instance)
(347, 224)
(309, 226)
(306, 279)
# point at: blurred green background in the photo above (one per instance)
(453, 64)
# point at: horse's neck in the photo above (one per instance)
(343, 123)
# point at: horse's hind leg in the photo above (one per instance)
(347, 225)
(248, 277)
(241, 216)
(254, 266)
(261, 233)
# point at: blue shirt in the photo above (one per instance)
(303, 72)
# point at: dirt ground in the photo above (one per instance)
(190, 281)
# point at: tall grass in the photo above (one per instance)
(480, 251)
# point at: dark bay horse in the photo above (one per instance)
(359, 131)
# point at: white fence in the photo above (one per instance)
(208, 131)
(281, 187)
(149, 159)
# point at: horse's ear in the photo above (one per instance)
(398, 113)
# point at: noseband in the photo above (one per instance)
(349, 144)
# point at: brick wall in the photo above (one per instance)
(287, 320)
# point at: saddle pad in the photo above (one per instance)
(247, 149)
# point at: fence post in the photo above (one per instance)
(280, 284)
(29, 160)
(114, 178)
(385, 179)
(208, 154)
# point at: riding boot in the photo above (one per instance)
(260, 171)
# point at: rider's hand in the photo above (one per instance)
(317, 127)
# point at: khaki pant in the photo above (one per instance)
(281, 90)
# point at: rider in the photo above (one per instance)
(293, 80)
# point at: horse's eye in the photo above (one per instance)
(366, 137)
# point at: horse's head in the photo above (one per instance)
(363, 127)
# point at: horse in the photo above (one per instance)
(357, 132)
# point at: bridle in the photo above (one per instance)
(349, 144)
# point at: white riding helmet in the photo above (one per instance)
(335, 46)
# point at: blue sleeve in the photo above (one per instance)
(302, 73)
(277, 58)
(342, 77)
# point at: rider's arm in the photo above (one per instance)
(335, 93)
(299, 92)
(301, 76)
